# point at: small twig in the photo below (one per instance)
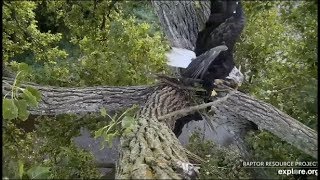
(193, 156)
(104, 165)
(7, 83)
(286, 88)
(14, 85)
(107, 14)
(191, 109)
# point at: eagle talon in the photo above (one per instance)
(218, 82)
(213, 93)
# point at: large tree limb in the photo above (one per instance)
(56, 100)
(59, 100)
(268, 117)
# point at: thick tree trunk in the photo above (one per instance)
(182, 20)
(152, 151)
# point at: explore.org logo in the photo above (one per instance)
(286, 167)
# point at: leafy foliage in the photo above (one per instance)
(120, 125)
(267, 147)
(111, 44)
(278, 51)
(38, 172)
(67, 43)
(220, 163)
(48, 148)
(21, 34)
(280, 61)
(16, 106)
(88, 43)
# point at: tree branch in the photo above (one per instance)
(57, 100)
(192, 109)
(268, 117)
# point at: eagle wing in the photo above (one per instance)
(199, 66)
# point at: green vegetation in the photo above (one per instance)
(67, 43)
(220, 163)
(119, 126)
(89, 43)
(278, 52)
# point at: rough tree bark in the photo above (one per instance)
(59, 100)
(152, 150)
(243, 108)
(182, 20)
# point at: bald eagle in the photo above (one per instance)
(213, 54)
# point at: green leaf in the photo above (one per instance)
(98, 133)
(103, 143)
(34, 92)
(31, 99)
(23, 113)
(110, 137)
(9, 109)
(39, 172)
(127, 131)
(23, 67)
(128, 124)
(114, 118)
(103, 112)
(127, 121)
